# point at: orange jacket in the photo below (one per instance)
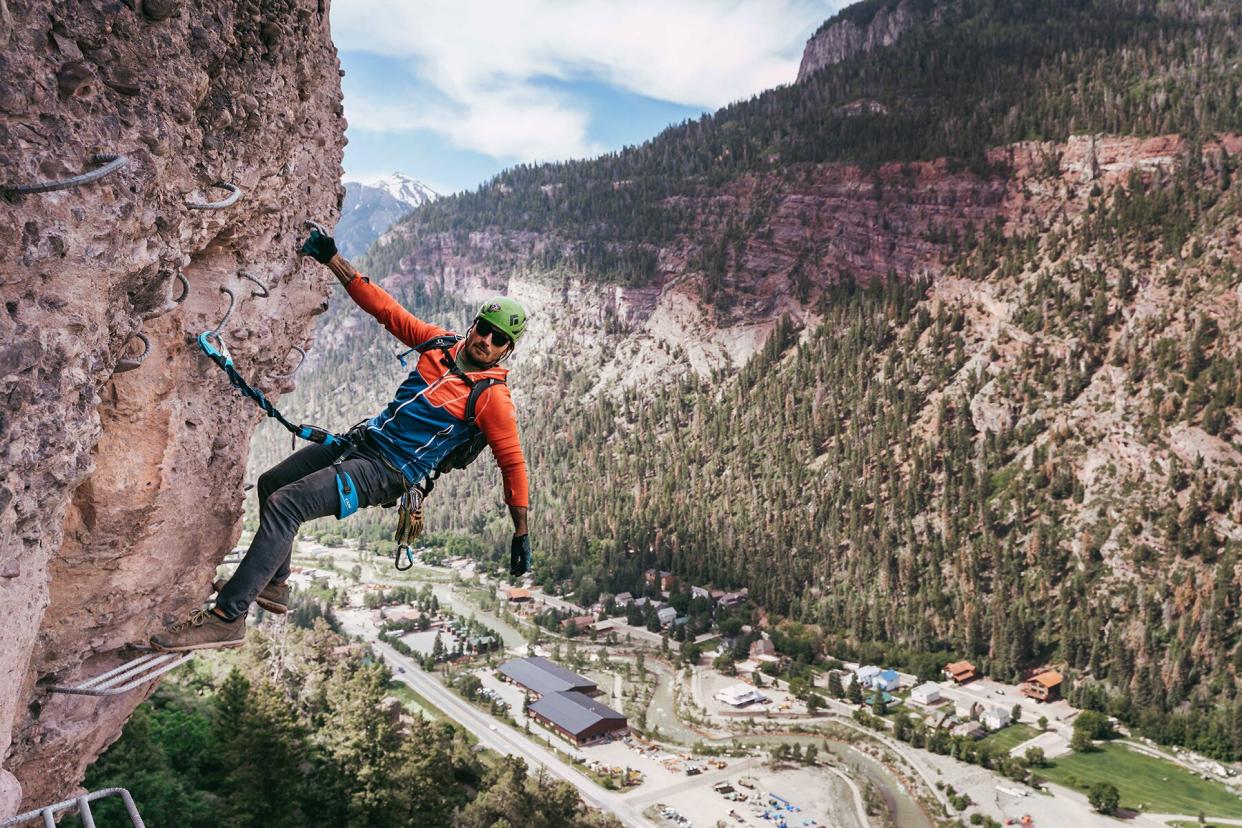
(426, 419)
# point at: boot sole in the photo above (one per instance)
(270, 606)
(212, 645)
(277, 609)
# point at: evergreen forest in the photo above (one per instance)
(1025, 455)
(300, 728)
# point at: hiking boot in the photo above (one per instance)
(203, 630)
(274, 598)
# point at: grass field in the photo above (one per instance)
(412, 700)
(1146, 783)
(1010, 737)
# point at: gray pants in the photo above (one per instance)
(300, 488)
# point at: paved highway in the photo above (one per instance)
(501, 738)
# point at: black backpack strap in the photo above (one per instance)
(443, 342)
(476, 391)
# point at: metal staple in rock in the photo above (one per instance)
(171, 304)
(111, 163)
(296, 368)
(262, 286)
(228, 201)
(185, 288)
(232, 301)
(130, 363)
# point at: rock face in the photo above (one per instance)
(843, 37)
(122, 486)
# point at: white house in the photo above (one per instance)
(994, 718)
(667, 616)
(740, 695)
(865, 675)
(927, 693)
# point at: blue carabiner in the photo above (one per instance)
(221, 354)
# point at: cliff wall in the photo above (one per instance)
(121, 488)
(844, 37)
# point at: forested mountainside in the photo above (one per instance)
(996, 73)
(301, 728)
(997, 407)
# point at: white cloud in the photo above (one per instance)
(483, 58)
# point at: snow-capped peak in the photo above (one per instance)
(407, 190)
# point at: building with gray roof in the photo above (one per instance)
(578, 717)
(541, 677)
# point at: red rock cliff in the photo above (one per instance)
(121, 489)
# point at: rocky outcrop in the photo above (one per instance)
(122, 481)
(843, 37)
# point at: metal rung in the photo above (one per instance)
(82, 804)
(133, 673)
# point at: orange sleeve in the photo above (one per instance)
(497, 419)
(400, 322)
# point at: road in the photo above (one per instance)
(501, 738)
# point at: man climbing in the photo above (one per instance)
(392, 452)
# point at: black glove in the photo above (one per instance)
(319, 247)
(519, 555)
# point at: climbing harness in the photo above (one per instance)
(133, 673)
(171, 304)
(111, 163)
(228, 201)
(48, 812)
(130, 363)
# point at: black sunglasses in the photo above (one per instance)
(485, 329)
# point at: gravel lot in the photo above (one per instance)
(823, 799)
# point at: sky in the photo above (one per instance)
(452, 93)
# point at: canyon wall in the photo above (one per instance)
(842, 37)
(122, 481)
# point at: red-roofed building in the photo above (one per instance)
(582, 623)
(960, 671)
(1045, 686)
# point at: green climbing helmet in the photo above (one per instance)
(506, 315)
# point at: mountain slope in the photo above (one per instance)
(937, 350)
(369, 210)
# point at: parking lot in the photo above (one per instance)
(791, 798)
